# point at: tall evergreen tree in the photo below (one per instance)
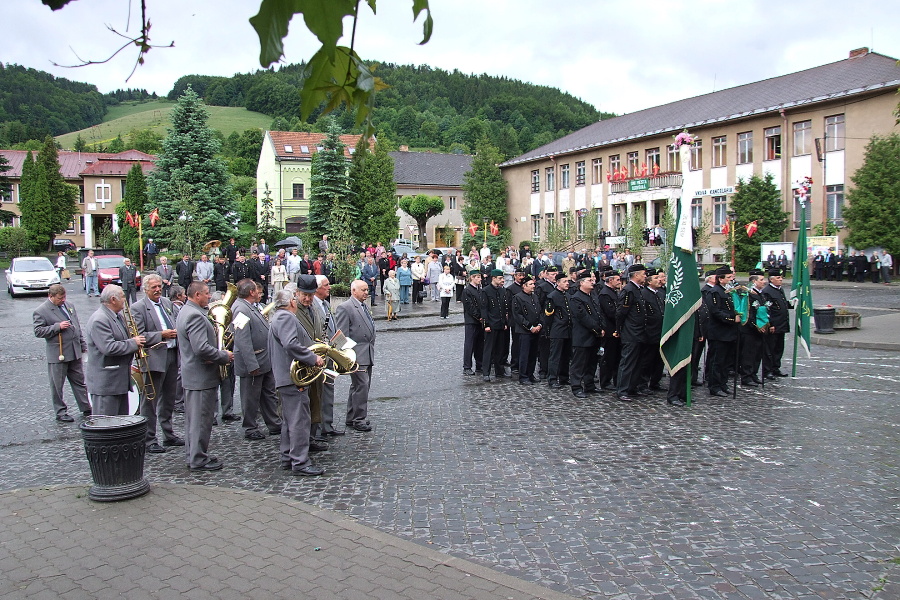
(484, 188)
(5, 184)
(188, 165)
(756, 199)
(328, 180)
(63, 197)
(873, 214)
(134, 202)
(34, 203)
(374, 192)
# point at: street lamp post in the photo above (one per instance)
(485, 222)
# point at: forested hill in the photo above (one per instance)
(34, 104)
(424, 107)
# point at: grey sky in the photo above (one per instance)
(621, 56)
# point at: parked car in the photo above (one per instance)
(63, 245)
(30, 274)
(108, 271)
(399, 250)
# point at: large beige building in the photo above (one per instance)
(811, 123)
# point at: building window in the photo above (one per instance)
(122, 182)
(297, 192)
(614, 164)
(653, 160)
(696, 212)
(579, 225)
(599, 213)
(834, 133)
(745, 148)
(80, 194)
(103, 192)
(597, 170)
(720, 213)
(802, 138)
(564, 177)
(551, 179)
(551, 220)
(535, 181)
(6, 196)
(633, 166)
(535, 228)
(697, 156)
(451, 203)
(618, 223)
(674, 159)
(835, 196)
(773, 143)
(579, 173)
(720, 147)
(81, 223)
(564, 223)
(71, 228)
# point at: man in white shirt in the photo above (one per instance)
(204, 270)
(293, 265)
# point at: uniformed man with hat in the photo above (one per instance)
(513, 289)
(652, 367)
(608, 297)
(722, 332)
(526, 317)
(779, 325)
(588, 325)
(558, 319)
(543, 287)
(495, 317)
(473, 344)
(631, 328)
(754, 330)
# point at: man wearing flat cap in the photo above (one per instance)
(543, 287)
(779, 325)
(495, 309)
(631, 328)
(526, 317)
(473, 344)
(588, 325)
(512, 349)
(722, 333)
(608, 297)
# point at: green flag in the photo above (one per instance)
(682, 300)
(800, 292)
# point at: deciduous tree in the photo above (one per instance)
(422, 207)
(484, 188)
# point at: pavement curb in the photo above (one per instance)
(839, 343)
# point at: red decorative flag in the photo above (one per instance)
(751, 228)
(624, 172)
(655, 170)
(643, 169)
(154, 217)
(725, 228)
(495, 229)
(129, 219)
(473, 228)
(608, 177)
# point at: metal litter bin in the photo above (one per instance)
(115, 447)
(824, 318)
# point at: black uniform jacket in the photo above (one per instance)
(526, 312)
(558, 315)
(631, 315)
(588, 322)
(654, 316)
(495, 307)
(778, 310)
(471, 304)
(722, 326)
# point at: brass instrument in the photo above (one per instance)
(344, 364)
(267, 309)
(142, 374)
(220, 315)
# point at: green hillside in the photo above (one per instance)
(123, 118)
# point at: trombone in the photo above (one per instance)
(140, 357)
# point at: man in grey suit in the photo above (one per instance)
(56, 322)
(355, 321)
(252, 363)
(288, 341)
(155, 320)
(127, 274)
(320, 303)
(314, 324)
(200, 360)
(110, 350)
(165, 271)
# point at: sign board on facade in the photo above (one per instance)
(723, 191)
(638, 185)
(823, 243)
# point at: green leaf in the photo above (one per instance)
(428, 25)
(55, 4)
(271, 25)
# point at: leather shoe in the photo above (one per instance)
(780, 374)
(770, 377)
(214, 464)
(719, 393)
(155, 448)
(254, 435)
(526, 382)
(749, 383)
(624, 398)
(315, 446)
(275, 431)
(676, 401)
(361, 427)
(555, 386)
(580, 394)
(175, 441)
(756, 380)
(65, 418)
(334, 432)
(86, 414)
(230, 417)
(285, 466)
(308, 471)
(487, 378)
(468, 372)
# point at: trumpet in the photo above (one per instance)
(344, 364)
(140, 357)
(220, 315)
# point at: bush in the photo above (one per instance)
(340, 290)
(14, 240)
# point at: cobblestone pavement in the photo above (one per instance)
(787, 492)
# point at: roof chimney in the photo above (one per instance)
(859, 52)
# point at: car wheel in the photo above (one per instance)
(11, 292)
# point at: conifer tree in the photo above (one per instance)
(63, 197)
(328, 180)
(188, 168)
(756, 199)
(873, 213)
(484, 190)
(134, 202)
(34, 203)
(374, 193)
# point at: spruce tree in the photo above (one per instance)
(484, 190)
(873, 213)
(374, 193)
(328, 180)
(134, 202)
(34, 204)
(63, 197)
(756, 199)
(188, 168)
(5, 184)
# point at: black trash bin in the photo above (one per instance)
(115, 447)
(824, 318)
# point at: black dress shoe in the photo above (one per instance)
(676, 401)
(526, 382)
(624, 398)
(308, 471)
(361, 427)
(230, 417)
(486, 378)
(534, 379)
(718, 393)
(214, 464)
(749, 383)
(770, 377)
(285, 466)
(579, 394)
(255, 435)
(780, 374)
(175, 441)
(756, 380)
(86, 414)
(155, 448)
(555, 386)
(315, 446)
(335, 432)
(65, 418)
(468, 372)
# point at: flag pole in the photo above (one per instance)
(799, 272)
(687, 382)
(141, 243)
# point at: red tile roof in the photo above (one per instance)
(73, 164)
(298, 140)
(106, 167)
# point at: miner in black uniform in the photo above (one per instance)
(608, 297)
(239, 269)
(558, 320)
(631, 328)
(722, 333)
(652, 367)
(753, 337)
(779, 325)
(513, 290)
(703, 321)
(542, 289)
(495, 316)
(473, 344)
(527, 318)
(587, 330)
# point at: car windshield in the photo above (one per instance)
(106, 262)
(32, 265)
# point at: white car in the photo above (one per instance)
(30, 274)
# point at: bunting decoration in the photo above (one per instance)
(154, 217)
(495, 229)
(751, 228)
(473, 228)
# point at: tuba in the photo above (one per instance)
(344, 364)
(220, 315)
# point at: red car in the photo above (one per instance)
(108, 271)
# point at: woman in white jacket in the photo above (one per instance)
(446, 282)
